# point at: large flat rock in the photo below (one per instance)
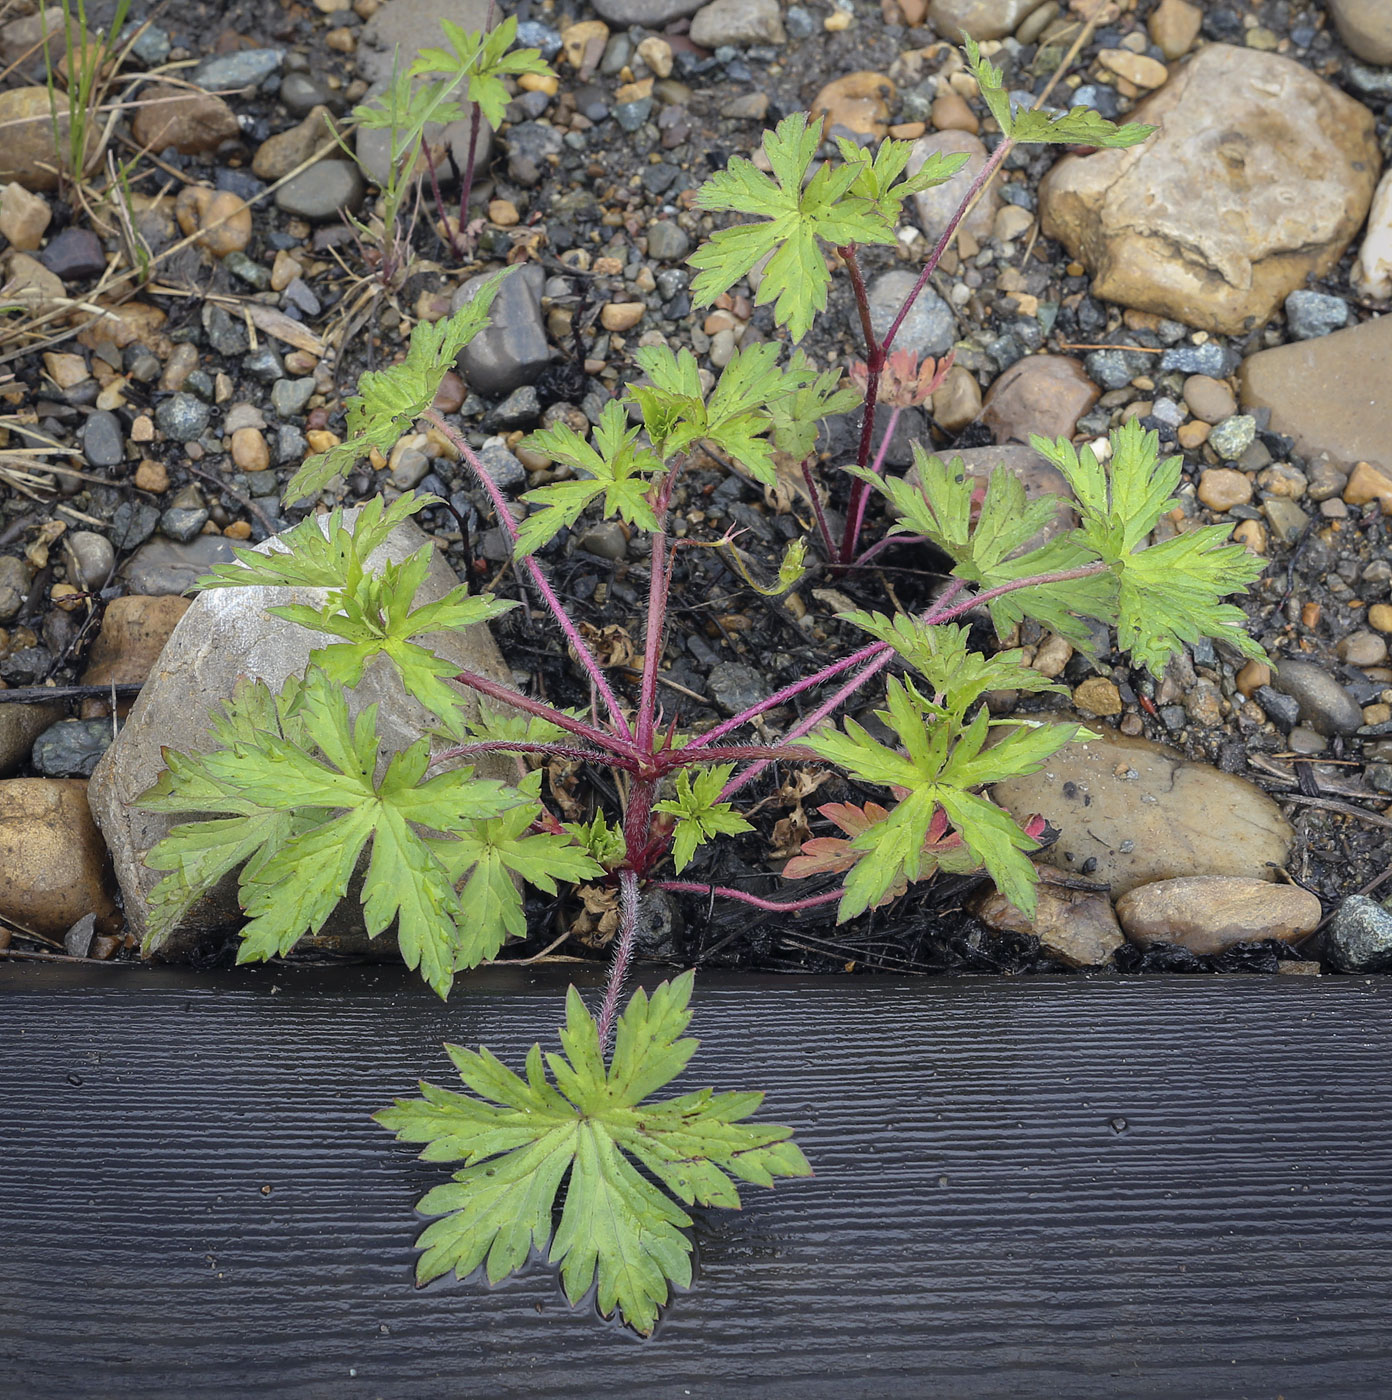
(1259, 177)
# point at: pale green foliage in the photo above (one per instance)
(371, 612)
(1168, 594)
(389, 401)
(479, 62)
(605, 843)
(878, 180)
(521, 1139)
(1079, 127)
(941, 762)
(796, 222)
(797, 412)
(614, 467)
(700, 814)
(317, 779)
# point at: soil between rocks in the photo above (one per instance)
(585, 214)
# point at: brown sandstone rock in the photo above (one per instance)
(53, 867)
(1259, 177)
(1044, 394)
(1075, 927)
(1207, 914)
(194, 123)
(1132, 812)
(133, 633)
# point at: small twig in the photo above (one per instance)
(37, 694)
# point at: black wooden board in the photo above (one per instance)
(1147, 1187)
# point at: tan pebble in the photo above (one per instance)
(1097, 696)
(133, 633)
(503, 212)
(249, 450)
(1053, 654)
(284, 270)
(1252, 676)
(24, 217)
(1310, 614)
(1377, 714)
(1208, 913)
(321, 439)
(1362, 648)
(860, 102)
(220, 218)
(1012, 222)
(621, 315)
(1222, 488)
(1208, 398)
(908, 131)
(65, 370)
(957, 400)
(539, 82)
(837, 21)
(152, 476)
(142, 428)
(1380, 617)
(634, 92)
(1193, 434)
(576, 40)
(951, 113)
(1173, 26)
(66, 596)
(238, 530)
(52, 854)
(657, 54)
(341, 40)
(1134, 67)
(1369, 483)
(718, 321)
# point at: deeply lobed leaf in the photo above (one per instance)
(520, 1139)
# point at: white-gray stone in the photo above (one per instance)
(227, 634)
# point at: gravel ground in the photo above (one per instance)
(177, 419)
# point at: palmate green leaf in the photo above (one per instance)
(493, 854)
(797, 221)
(614, 467)
(604, 842)
(389, 401)
(875, 181)
(1079, 127)
(941, 653)
(307, 781)
(197, 855)
(699, 813)
(480, 61)
(519, 1138)
(1169, 593)
(319, 552)
(753, 398)
(377, 619)
(942, 761)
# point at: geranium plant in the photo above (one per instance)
(299, 804)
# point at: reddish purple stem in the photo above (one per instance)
(777, 906)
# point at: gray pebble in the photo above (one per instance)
(520, 409)
(245, 68)
(1306, 741)
(1324, 704)
(1114, 369)
(152, 45)
(290, 444)
(512, 350)
(71, 748)
(1215, 360)
(799, 22)
(505, 470)
(14, 585)
(735, 687)
(1233, 436)
(1286, 518)
(74, 255)
(182, 417)
(301, 93)
(92, 558)
(1359, 936)
(264, 364)
(253, 273)
(322, 191)
(1310, 314)
(163, 566)
(103, 442)
(183, 524)
(632, 115)
(290, 397)
(132, 523)
(605, 540)
(299, 296)
(226, 336)
(668, 242)
(928, 329)
(410, 467)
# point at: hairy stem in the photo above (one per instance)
(815, 493)
(942, 613)
(496, 690)
(548, 594)
(435, 191)
(659, 580)
(623, 956)
(466, 185)
(608, 759)
(777, 906)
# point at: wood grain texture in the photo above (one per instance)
(1150, 1187)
